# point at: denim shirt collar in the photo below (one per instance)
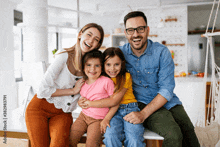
(148, 51)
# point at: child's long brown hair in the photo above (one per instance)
(78, 53)
(120, 78)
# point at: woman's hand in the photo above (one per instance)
(104, 123)
(78, 85)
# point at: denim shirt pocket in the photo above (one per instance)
(151, 75)
(131, 71)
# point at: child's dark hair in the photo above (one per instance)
(91, 55)
(120, 78)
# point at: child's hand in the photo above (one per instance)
(82, 104)
(104, 123)
(86, 104)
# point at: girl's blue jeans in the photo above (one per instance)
(121, 130)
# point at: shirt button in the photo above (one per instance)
(77, 79)
(146, 87)
(138, 71)
(138, 59)
(68, 104)
(147, 72)
(140, 81)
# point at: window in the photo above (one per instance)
(59, 39)
(62, 33)
(18, 48)
(62, 30)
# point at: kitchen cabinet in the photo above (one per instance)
(118, 40)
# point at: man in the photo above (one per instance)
(152, 70)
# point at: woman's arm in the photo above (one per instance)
(70, 91)
(106, 121)
(114, 100)
(47, 86)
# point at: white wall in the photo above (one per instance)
(109, 21)
(7, 78)
(172, 32)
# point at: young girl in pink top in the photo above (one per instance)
(123, 102)
(96, 87)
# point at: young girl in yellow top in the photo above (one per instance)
(122, 103)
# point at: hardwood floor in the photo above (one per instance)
(13, 142)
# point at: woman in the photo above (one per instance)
(48, 115)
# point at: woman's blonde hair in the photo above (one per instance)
(76, 48)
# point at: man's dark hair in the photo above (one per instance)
(135, 14)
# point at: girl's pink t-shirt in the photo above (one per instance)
(102, 88)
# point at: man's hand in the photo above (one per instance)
(104, 124)
(134, 117)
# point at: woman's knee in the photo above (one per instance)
(60, 130)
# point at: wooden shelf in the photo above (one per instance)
(171, 19)
(217, 44)
(200, 31)
(122, 34)
(152, 35)
(106, 35)
(180, 44)
(102, 48)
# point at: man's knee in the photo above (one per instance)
(174, 136)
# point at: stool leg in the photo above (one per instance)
(29, 143)
(157, 143)
(153, 143)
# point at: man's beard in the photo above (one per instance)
(139, 48)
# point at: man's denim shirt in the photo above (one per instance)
(152, 73)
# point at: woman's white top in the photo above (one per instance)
(58, 76)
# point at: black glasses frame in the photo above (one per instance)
(137, 29)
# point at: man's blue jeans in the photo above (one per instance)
(121, 130)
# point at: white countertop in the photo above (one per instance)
(192, 78)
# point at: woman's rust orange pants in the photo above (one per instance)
(47, 126)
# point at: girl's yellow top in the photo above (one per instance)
(129, 96)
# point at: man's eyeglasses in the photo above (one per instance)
(141, 29)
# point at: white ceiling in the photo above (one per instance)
(103, 6)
